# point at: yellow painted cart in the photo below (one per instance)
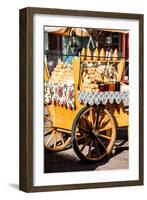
(90, 126)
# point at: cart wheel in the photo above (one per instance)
(93, 133)
(55, 140)
(47, 124)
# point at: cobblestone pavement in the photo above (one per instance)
(67, 160)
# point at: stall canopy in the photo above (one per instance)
(85, 32)
(67, 31)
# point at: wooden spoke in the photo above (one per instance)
(90, 146)
(49, 139)
(48, 131)
(55, 140)
(47, 121)
(105, 136)
(102, 144)
(101, 117)
(85, 144)
(84, 129)
(78, 134)
(92, 117)
(47, 118)
(47, 126)
(96, 147)
(87, 123)
(68, 132)
(68, 140)
(105, 128)
(82, 137)
(61, 137)
(97, 118)
(105, 119)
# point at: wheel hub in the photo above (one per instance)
(95, 132)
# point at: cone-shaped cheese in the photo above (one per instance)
(110, 53)
(88, 54)
(115, 55)
(102, 54)
(109, 56)
(95, 54)
(83, 53)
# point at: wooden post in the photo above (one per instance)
(76, 70)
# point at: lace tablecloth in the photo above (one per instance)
(92, 98)
(63, 95)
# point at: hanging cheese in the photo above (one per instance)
(95, 54)
(88, 54)
(115, 55)
(102, 54)
(110, 53)
(83, 53)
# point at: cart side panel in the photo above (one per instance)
(120, 114)
(61, 116)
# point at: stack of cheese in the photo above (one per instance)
(91, 78)
(63, 73)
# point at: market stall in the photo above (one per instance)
(86, 89)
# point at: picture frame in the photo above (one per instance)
(27, 116)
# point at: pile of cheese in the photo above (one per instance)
(62, 73)
(92, 77)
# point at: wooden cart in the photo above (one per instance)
(90, 129)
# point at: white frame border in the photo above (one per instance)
(41, 179)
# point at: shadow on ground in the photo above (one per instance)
(67, 161)
(14, 185)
